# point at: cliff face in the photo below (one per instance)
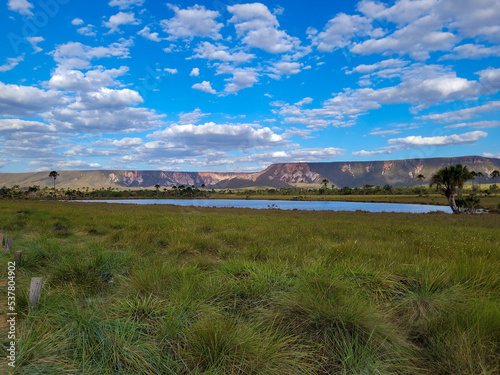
(352, 174)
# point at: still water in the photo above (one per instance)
(287, 205)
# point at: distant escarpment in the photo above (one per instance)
(352, 174)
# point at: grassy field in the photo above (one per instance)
(132, 289)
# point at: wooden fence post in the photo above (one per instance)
(1, 238)
(17, 257)
(8, 245)
(35, 290)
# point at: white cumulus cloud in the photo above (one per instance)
(21, 6)
(258, 27)
(204, 86)
(119, 19)
(195, 21)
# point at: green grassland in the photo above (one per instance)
(131, 289)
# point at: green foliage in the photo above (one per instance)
(174, 290)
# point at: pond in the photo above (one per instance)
(287, 205)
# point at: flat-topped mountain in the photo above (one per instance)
(352, 174)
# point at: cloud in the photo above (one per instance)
(92, 80)
(242, 78)
(296, 155)
(418, 141)
(339, 31)
(471, 20)
(421, 92)
(471, 51)
(352, 103)
(204, 86)
(17, 125)
(402, 12)
(192, 117)
(491, 155)
(146, 33)
(284, 68)
(21, 6)
(77, 22)
(77, 55)
(462, 114)
(77, 164)
(417, 39)
(424, 26)
(127, 142)
(381, 65)
(111, 119)
(196, 21)
(87, 30)
(306, 100)
(120, 19)
(26, 145)
(171, 70)
(106, 98)
(209, 51)
(221, 137)
(385, 132)
(258, 27)
(489, 79)
(16, 100)
(421, 85)
(195, 72)
(34, 40)
(447, 140)
(125, 4)
(12, 62)
(369, 153)
(477, 125)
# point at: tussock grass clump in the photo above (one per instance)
(106, 346)
(220, 345)
(161, 279)
(417, 302)
(349, 335)
(140, 308)
(91, 271)
(471, 342)
(41, 350)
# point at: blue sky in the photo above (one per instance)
(235, 86)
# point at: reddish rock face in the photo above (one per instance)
(351, 174)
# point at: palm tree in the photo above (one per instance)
(157, 187)
(494, 175)
(479, 174)
(420, 178)
(366, 187)
(451, 179)
(325, 185)
(474, 175)
(54, 175)
(33, 189)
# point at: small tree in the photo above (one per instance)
(366, 187)
(494, 175)
(479, 175)
(157, 187)
(450, 180)
(54, 175)
(420, 178)
(33, 189)
(325, 183)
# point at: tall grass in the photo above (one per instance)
(170, 290)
